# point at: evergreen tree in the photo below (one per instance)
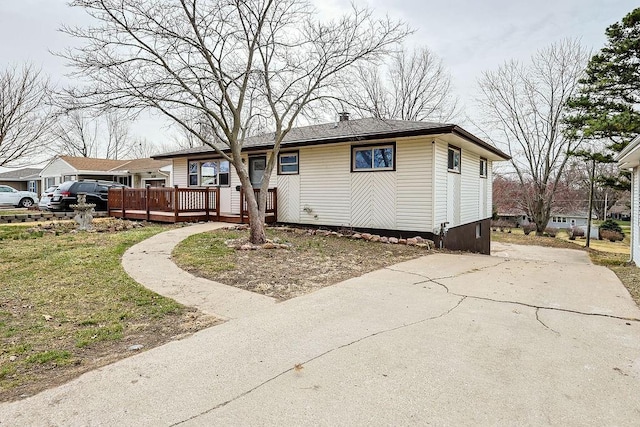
(606, 107)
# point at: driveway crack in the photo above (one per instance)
(300, 365)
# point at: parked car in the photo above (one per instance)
(67, 194)
(9, 196)
(47, 195)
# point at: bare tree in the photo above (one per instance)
(230, 62)
(411, 86)
(25, 114)
(118, 144)
(76, 135)
(524, 106)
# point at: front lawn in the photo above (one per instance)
(67, 306)
(311, 262)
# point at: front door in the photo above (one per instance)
(257, 165)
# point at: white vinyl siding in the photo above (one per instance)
(469, 187)
(325, 185)
(180, 172)
(289, 198)
(635, 216)
(414, 180)
(57, 169)
(373, 197)
(441, 182)
(488, 212)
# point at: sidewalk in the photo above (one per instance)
(149, 263)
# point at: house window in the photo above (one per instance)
(483, 167)
(31, 186)
(66, 178)
(49, 182)
(453, 157)
(478, 231)
(288, 163)
(209, 173)
(124, 180)
(376, 158)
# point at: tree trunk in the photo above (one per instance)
(256, 216)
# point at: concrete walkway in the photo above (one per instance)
(440, 340)
(149, 263)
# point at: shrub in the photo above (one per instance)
(612, 236)
(611, 225)
(551, 231)
(527, 229)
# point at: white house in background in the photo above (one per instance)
(629, 159)
(135, 173)
(390, 176)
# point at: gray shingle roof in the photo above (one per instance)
(348, 130)
(24, 174)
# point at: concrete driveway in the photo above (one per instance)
(526, 337)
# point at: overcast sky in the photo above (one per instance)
(471, 36)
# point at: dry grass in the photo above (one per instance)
(312, 262)
(67, 306)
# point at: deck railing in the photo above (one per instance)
(272, 203)
(174, 204)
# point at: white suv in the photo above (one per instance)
(12, 197)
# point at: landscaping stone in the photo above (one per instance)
(402, 241)
(356, 236)
(246, 247)
(375, 238)
(384, 239)
(269, 245)
(135, 347)
(412, 242)
(393, 240)
(366, 236)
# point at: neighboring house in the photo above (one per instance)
(27, 179)
(390, 176)
(516, 218)
(568, 220)
(620, 211)
(135, 173)
(629, 159)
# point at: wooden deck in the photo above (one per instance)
(181, 205)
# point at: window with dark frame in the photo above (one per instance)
(453, 159)
(288, 163)
(483, 167)
(373, 158)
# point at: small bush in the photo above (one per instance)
(527, 229)
(611, 225)
(612, 236)
(551, 231)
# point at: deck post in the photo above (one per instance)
(218, 204)
(206, 203)
(275, 204)
(122, 202)
(146, 199)
(176, 208)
